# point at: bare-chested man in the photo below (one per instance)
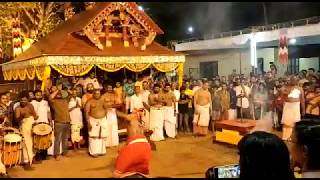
(203, 109)
(169, 110)
(26, 115)
(291, 109)
(88, 95)
(95, 113)
(156, 114)
(135, 156)
(110, 103)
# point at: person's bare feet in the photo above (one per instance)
(57, 158)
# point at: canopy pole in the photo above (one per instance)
(180, 74)
(46, 76)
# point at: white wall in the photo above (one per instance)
(229, 60)
(306, 63)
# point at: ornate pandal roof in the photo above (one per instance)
(121, 20)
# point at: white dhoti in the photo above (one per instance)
(170, 121)
(291, 115)
(76, 124)
(156, 124)
(112, 129)
(97, 136)
(75, 132)
(26, 131)
(232, 114)
(201, 119)
(146, 120)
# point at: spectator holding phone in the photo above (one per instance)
(264, 155)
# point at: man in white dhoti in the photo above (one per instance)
(156, 114)
(96, 118)
(112, 122)
(144, 96)
(291, 109)
(26, 114)
(170, 111)
(203, 109)
(42, 109)
(76, 118)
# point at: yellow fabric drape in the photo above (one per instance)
(22, 73)
(40, 72)
(111, 67)
(137, 67)
(7, 75)
(165, 67)
(31, 73)
(180, 74)
(15, 75)
(83, 69)
(46, 75)
(73, 70)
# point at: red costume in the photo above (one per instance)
(135, 156)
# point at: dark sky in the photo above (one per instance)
(210, 17)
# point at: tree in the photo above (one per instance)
(37, 20)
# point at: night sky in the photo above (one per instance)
(212, 17)
(174, 18)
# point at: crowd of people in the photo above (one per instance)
(89, 111)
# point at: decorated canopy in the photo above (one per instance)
(110, 35)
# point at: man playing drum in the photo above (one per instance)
(26, 115)
(42, 109)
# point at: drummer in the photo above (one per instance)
(26, 115)
(42, 109)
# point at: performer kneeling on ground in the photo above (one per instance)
(135, 156)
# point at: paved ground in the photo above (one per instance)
(183, 157)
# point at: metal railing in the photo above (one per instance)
(270, 27)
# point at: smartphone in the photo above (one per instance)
(228, 171)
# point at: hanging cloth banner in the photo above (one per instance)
(283, 46)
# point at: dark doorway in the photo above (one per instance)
(208, 69)
(260, 68)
